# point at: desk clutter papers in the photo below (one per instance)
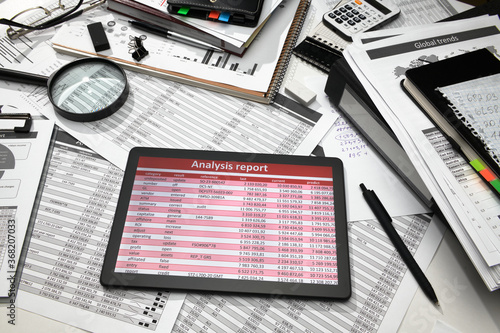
(383, 288)
(257, 76)
(60, 279)
(78, 290)
(471, 209)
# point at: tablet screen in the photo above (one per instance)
(268, 220)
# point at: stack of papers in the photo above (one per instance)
(471, 209)
(237, 35)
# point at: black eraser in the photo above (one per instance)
(98, 36)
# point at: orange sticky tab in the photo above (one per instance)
(488, 176)
(214, 14)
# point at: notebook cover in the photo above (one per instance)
(141, 12)
(465, 67)
(244, 13)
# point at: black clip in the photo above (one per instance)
(137, 48)
(19, 129)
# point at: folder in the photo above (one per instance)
(348, 95)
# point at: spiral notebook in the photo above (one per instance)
(257, 76)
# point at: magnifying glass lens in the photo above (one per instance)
(89, 90)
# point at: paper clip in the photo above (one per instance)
(13, 116)
(136, 48)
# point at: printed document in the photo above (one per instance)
(22, 157)
(469, 206)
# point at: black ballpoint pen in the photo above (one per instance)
(386, 221)
(163, 32)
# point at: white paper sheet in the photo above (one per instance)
(60, 278)
(22, 157)
(361, 162)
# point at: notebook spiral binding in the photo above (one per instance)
(322, 48)
(286, 54)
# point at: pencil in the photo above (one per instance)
(386, 221)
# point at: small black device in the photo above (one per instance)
(98, 36)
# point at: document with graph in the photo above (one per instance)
(256, 76)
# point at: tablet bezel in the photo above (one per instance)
(342, 290)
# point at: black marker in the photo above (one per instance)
(386, 221)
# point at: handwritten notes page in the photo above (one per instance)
(478, 103)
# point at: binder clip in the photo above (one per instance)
(14, 116)
(136, 48)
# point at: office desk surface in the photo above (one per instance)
(466, 304)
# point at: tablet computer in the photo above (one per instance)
(230, 222)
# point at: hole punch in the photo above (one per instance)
(15, 116)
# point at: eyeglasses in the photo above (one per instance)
(39, 18)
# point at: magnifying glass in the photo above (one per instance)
(86, 89)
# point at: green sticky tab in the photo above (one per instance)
(477, 165)
(183, 10)
(496, 184)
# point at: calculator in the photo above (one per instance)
(356, 16)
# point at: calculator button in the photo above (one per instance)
(355, 12)
(348, 7)
(351, 15)
(339, 21)
(345, 18)
(358, 2)
(337, 12)
(361, 16)
(351, 22)
(342, 9)
(357, 19)
(331, 15)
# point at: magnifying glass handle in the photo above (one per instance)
(22, 77)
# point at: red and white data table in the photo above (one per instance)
(231, 220)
